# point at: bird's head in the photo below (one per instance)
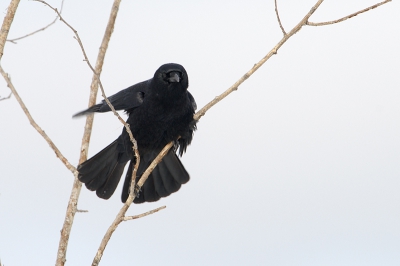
(171, 77)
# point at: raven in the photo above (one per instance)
(160, 110)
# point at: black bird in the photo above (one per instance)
(160, 110)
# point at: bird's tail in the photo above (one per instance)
(103, 171)
(166, 178)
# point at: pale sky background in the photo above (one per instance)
(300, 166)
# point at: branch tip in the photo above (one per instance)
(279, 20)
(128, 218)
(348, 16)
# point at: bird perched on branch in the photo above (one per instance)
(160, 110)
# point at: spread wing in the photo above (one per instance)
(126, 99)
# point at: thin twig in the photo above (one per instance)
(274, 50)
(5, 98)
(279, 20)
(3, 36)
(95, 83)
(39, 30)
(5, 27)
(128, 218)
(36, 126)
(95, 73)
(347, 17)
(77, 210)
(73, 201)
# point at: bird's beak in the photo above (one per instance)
(174, 77)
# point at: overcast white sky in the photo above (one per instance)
(300, 166)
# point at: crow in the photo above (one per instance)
(160, 110)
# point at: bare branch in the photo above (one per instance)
(39, 30)
(36, 126)
(73, 201)
(274, 50)
(77, 210)
(347, 17)
(5, 98)
(95, 73)
(128, 218)
(95, 83)
(5, 27)
(109, 233)
(279, 19)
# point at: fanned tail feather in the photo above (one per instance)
(102, 172)
(166, 178)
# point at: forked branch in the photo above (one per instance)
(6, 98)
(36, 126)
(39, 30)
(128, 218)
(279, 19)
(349, 16)
(73, 201)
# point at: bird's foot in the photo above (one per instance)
(137, 190)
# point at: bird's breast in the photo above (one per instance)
(156, 126)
